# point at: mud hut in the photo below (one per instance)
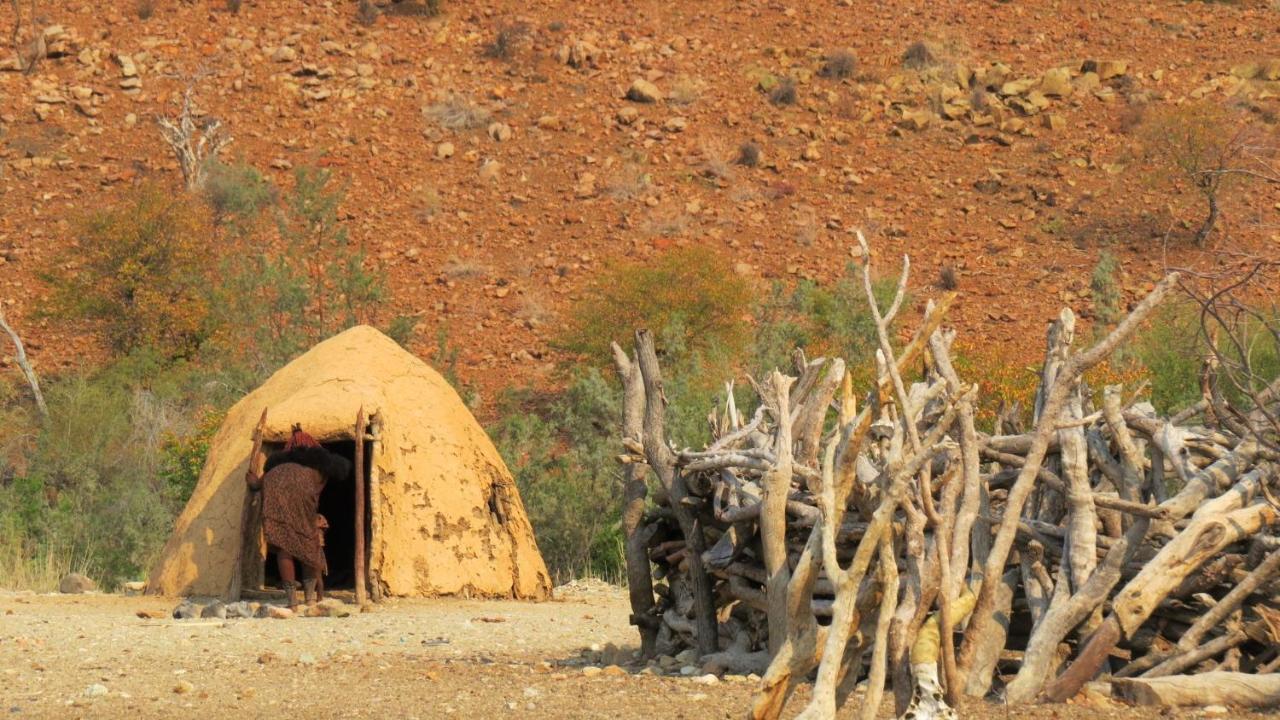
(440, 512)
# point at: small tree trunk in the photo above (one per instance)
(1202, 235)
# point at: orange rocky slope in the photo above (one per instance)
(492, 231)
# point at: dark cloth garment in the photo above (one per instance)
(290, 501)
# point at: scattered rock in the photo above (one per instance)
(690, 670)
(444, 150)
(550, 122)
(184, 687)
(675, 124)
(500, 132)
(579, 54)
(644, 91)
(707, 679)
(1054, 121)
(586, 186)
(1108, 69)
(136, 587)
(215, 609)
(186, 610)
(1215, 710)
(306, 659)
(284, 53)
(591, 671)
(1056, 82)
(127, 67)
(915, 119)
(95, 690)
(278, 613)
(75, 584)
(491, 170)
(614, 671)
(628, 115)
(329, 607)
(242, 609)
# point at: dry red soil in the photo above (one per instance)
(496, 254)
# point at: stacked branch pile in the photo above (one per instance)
(826, 539)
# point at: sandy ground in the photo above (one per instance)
(407, 659)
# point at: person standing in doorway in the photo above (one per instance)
(291, 483)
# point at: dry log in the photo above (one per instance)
(1212, 688)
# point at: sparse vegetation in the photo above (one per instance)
(412, 8)
(456, 112)
(237, 192)
(1211, 148)
(784, 93)
(367, 13)
(919, 56)
(628, 182)
(684, 91)
(748, 154)
(839, 65)
(507, 41)
(139, 273)
(1106, 290)
(947, 279)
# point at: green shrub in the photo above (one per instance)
(562, 445)
(343, 292)
(93, 491)
(1106, 291)
(1172, 349)
(237, 193)
(683, 291)
(139, 270)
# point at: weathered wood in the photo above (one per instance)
(634, 491)
(250, 531)
(24, 364)
(1232, 689)
(361, 577)
(663, 462)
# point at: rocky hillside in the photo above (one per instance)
(501, 153)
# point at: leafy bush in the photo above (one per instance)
(1173, 348)
(93, 491)
(560, 450)
(238, 193)
(687, 291)
(561, 445)
(139, 271)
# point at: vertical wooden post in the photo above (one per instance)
(361, 588)
(373, 570)
(249, 541)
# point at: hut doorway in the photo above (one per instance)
(337, 505)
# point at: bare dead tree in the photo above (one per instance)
(25, 365)
(195, 141)
(1211, 147)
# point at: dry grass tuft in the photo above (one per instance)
(456, 112)
(919, 56)
(784, 93)
(839, 65)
